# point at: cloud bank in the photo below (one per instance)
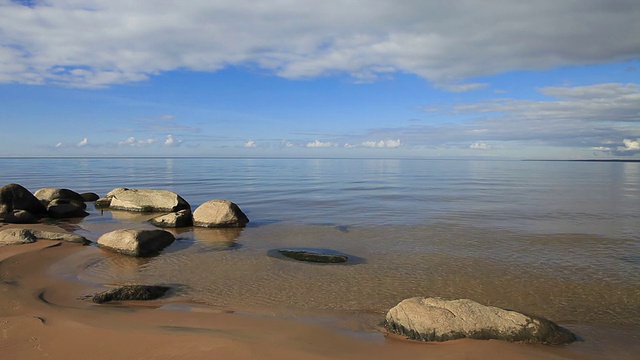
(90, 43)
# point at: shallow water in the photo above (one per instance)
(555, 239)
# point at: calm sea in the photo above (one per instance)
(557, 239)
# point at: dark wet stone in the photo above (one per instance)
(325, 256)
(89, 196)
(131, 292)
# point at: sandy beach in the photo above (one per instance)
(44, 315)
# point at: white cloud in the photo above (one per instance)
(286, 144)
(250, 144)
(382, 144)
(132, 141)
(59, 145)
(320, 144)
(86, 43)
(601, 148)
(583, 116)
(84, 142)
(480, 146)
(630, 145)
(171, 141)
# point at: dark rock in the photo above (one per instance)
(15, 197)
(21, 217)
(182, 218)
(434, 319)
(315, 255)
(89, 196)
(219, 213)
(63, 208)
(134, 242)
(131, 292)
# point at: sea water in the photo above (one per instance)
(558, 239)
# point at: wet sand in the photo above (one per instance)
(44, 315)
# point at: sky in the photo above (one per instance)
(544, 79)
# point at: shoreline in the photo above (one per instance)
(41, 315)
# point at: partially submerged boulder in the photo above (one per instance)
(182, 218)
(219, 213)
(131, 292)
(16, 197)
(143, 200)
(134, 242)
(15, 236)
(435, 319)
(325, 256)
(65, 208)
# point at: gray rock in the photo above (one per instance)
(21, 217)
(219, 213)
(131, 292)
(16, 236)
(435, 319)
(325, 256)
(52, 235)
(50, 194)
(16, 197)
(24, 236)
(182, 218)
(143, 200)
(89, 196)
(135, 242)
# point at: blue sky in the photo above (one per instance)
(375, 78)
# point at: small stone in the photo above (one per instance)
(178, 219)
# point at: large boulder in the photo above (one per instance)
(219, 213)
(143, 200)
(50, 194)
(24, 236)
(182, 218)
(16, 197)
(435, 319)
(135, 242)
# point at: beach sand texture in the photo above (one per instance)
(44, 316)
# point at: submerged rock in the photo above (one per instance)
(219, 213)
(435, 319)
(131, 292)
(182, 218)
(143, 200)
(135, 242)
(325, 256)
